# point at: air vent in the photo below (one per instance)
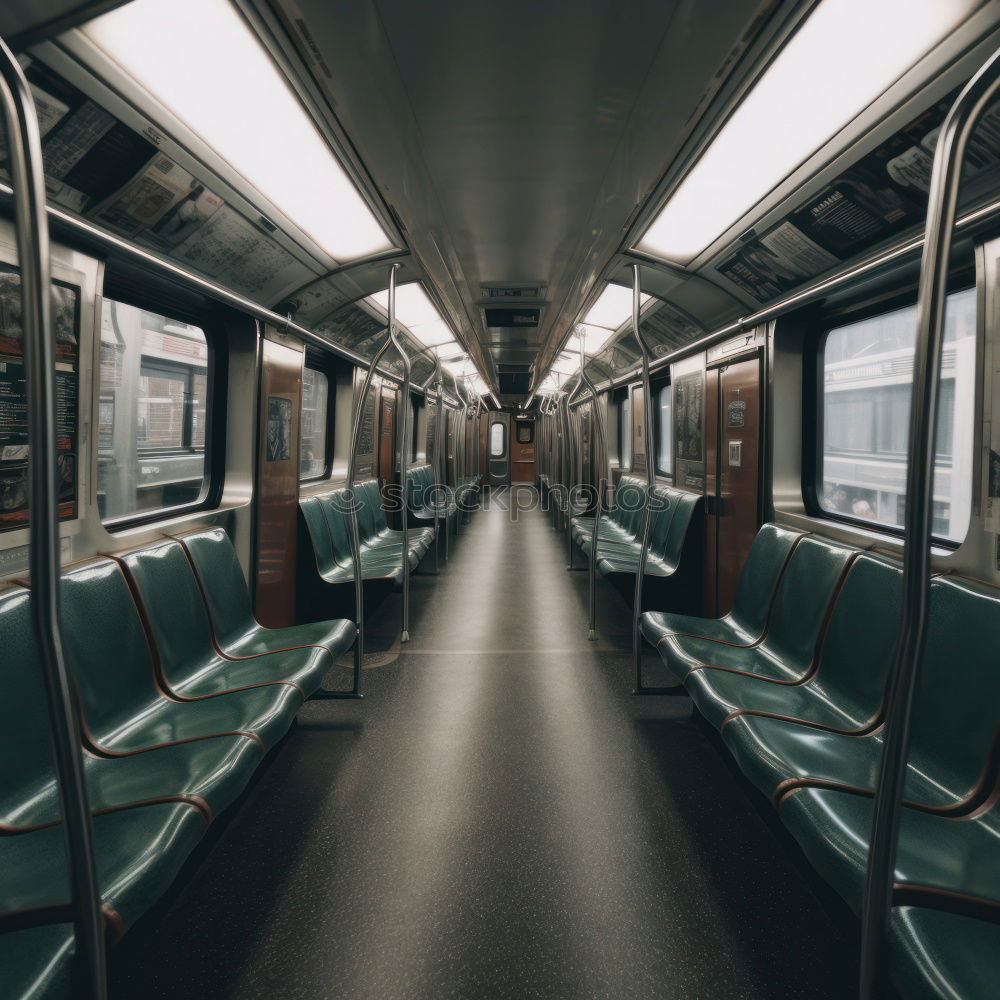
(513, 291)
(501, 317)
(514, 383)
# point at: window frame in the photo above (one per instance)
(823, 322)
(623, 401)
(657, 388)
(314, 363)
(209, 320)
(505, 445)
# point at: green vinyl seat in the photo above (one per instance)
(138, 852)
(209, 773)
(937, 955)
(122, 694)
(954, 721)
(845, 692)
(37, 962)
(758, 581)
(426, 501)
(326, 518)
(788, 649)
(936, 854)
(619, 539)
(621, 523)
(171, 602)
(235, 630)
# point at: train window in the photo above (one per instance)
(315, 419)
(153, 412)
(625, 433)
(497, 442)
(867, 381)
(664, 431)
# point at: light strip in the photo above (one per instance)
(417, 313)
(200, 59)
(845, 55)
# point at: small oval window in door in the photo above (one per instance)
(497, 444)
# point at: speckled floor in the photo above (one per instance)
(498, 818)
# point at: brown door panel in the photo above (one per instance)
(738, 415)
(277, 484)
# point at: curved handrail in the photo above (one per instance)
(949, 156)
(404, 450)
(599, 453)
(647, 406)
(32, 233)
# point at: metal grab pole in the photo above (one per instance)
(943, 199)
(404, 451)
(442, 460)
(31, 224)
(647, 406)
(599, 453)
(438, 388)
(570, 475)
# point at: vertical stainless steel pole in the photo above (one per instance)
(570, 476)
(354, 535)
(600, 455)
(647, 406)
(404, 450)
(442, 456)
(31, 225)
(949, 155)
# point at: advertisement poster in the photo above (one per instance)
(14, 401)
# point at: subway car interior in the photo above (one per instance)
(547, 448)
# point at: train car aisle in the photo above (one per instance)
(498, 818)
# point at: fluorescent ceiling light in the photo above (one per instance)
(200, 59)
(566, 363)
(417, 313)
(594, 338)
(613, 308)
(845, 55)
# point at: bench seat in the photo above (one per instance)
(758, 581)
(236, 633)
(121, 688)
(936, 955)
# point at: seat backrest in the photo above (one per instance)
(686, 506)
(107, 650)
(223, 584)
(319, 532)
(803, 600)
(664, 509)
(630, 504)
(365, 508)
(861, 635)
(956, 705)
(336, 510)
(27, 763)
(373, 498)
(172, 604)
(759, 576)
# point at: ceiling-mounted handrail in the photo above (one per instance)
(946, 178)
(600, 452)
(404, 450)
(31, 225)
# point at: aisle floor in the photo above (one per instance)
(497, 818)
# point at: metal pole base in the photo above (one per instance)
(592, 635)
(405, 637)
